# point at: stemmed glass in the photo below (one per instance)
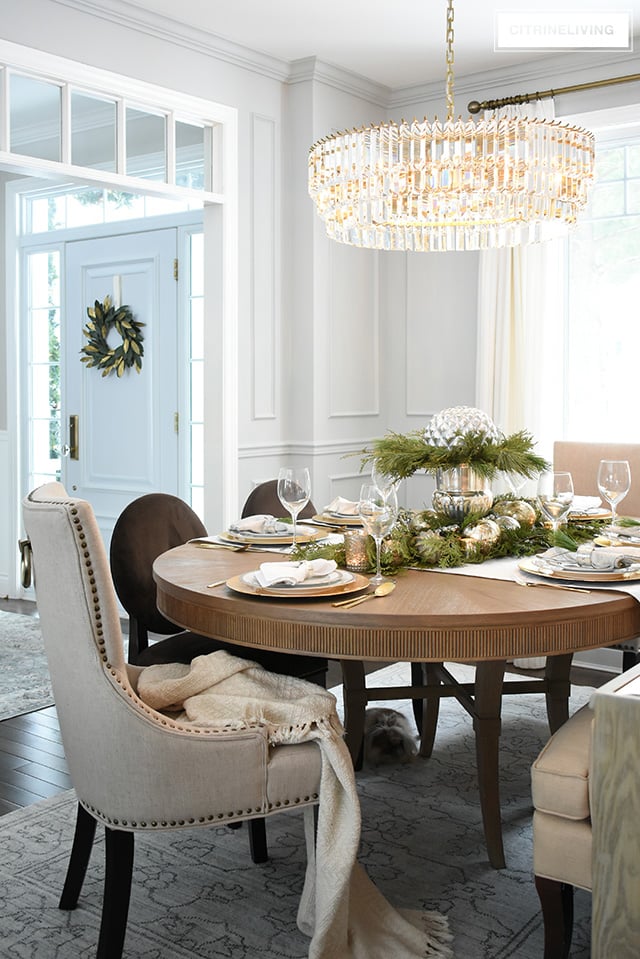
(614, 482)
(294, 490)
(555, 496)
(378, 512)
(385, 483)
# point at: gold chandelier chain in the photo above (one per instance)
(449, 83)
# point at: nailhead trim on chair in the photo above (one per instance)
(211, 817)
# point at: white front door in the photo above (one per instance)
(126, 442)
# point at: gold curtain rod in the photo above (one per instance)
(475, 107)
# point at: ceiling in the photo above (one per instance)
(398, 43)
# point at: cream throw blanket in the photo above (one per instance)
(340, 908)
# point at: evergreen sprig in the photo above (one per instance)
(401, 455)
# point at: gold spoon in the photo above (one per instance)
(382, 590)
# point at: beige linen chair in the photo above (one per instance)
(132, 768)
(585, 834)
(582, 461)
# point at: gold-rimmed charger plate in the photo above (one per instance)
(332, 519)
(528, 565)
(244, 584)
(589, 516)
(304, 534)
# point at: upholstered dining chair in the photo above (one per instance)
(586, 810)
(264, 499)
(147, 527)
(132, 768)
(582, 461)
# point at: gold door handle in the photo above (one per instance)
(74, 437)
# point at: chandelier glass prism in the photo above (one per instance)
(455, 185)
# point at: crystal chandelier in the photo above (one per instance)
(457, 185)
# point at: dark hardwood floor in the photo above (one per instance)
(32, 763)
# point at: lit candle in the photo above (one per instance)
(355, 547)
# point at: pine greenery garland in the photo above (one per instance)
(401, 455)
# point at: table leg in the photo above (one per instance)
(355, 704)
(430, 710)
(558, 690)
(486, 723)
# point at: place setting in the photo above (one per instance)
(263, 531)
(607, 558)
(295, 580)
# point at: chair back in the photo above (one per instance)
(264, 499)
(147, 527)
(129, 765)
(582, 461)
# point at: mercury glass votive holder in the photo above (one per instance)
(355, 548)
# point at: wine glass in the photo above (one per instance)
(614, 482)
(294, 490)
(378, 512)
(555, 496)
(385, 483)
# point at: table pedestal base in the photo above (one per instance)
(483, 701)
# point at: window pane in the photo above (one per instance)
(608, 199)
(93, 132)
(35, 118)
(197, 329)
(633, 196)
(146, 145)
(633, 160)
(189, 155)
(610, 164)
(197, 264)
(197, 459)
(197, 390)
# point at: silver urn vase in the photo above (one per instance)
(460, 491)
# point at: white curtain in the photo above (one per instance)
(519, 358)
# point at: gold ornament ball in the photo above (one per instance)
(507, 522)
(486, 531)
(518, 508)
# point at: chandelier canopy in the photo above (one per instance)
(457, 185)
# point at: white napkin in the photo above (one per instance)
(290, 574)
(586, 504)
(260, 523)
(587, 557)
(343, 507)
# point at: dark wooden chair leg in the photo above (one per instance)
(258, 840)
(355, 705)
(79, 859)
(117, 892)
(556, 901)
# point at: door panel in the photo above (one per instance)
(126, 439)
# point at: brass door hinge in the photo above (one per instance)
(175, 269)
(176, 422)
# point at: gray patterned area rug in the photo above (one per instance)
(197, 893)
(24, 676)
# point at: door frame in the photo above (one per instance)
(221, 256)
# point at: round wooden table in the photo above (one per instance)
(431, 618)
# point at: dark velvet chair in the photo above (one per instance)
(264, 499)
(148, 527)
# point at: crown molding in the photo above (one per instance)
(319, 71)
(128, 14)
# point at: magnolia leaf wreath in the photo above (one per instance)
(97, 352)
